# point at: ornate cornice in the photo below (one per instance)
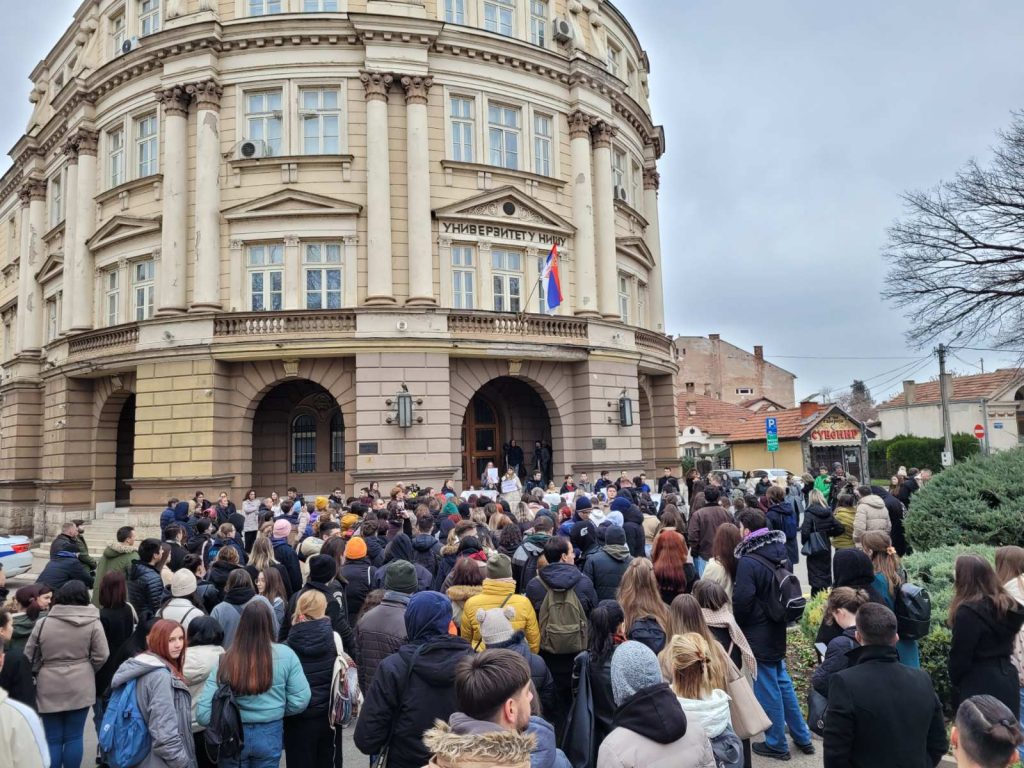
(174, 100)
(579, 125)
(603, 132)
(376, 84)
(32, 189)
(416, 88)
(206, 94)
(652, 179)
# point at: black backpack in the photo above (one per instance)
(224, 736)
(913, 612)
(787, 601)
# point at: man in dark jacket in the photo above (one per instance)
(607, 564)
(700, 533)
(381, 630)
(524, 560)
(145, 587)
(174, 535)
(322, 570)
(908, 487)
(583, 537)
(881, 712)
(74, 531)
(667, 478)
(413, 687)
(782, 516)
(897, 513)
(758, 554)
(284, 553)
(64, 566)
(168, 515)
(426, 550)
(633, 524)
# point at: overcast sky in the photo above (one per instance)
(792, 128)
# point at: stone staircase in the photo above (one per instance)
(103, 529)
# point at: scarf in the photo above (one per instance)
(723, 619)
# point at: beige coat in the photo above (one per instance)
(871, 516)
(21, 734)
(67, 647)
(625, 749)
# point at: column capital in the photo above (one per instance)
(84, 141)
(32, 189)
(603, 132)
(416, 88)
(652, 179)
(206, 94)
(376, 84)
(579, 125)
(174, 100)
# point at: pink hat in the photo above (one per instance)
(282, 528)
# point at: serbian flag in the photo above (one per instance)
(552, 282)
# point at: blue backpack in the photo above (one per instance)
(124, 737)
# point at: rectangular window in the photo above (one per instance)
(542, 136)
(143, 282)
(321, 121)
(538, 22)
(455, 11)
(462, 128)
(641, 305)
(57, 199)
(618, 169)
(118, 32)
(542, 305)
(147, 146)
(499, 16)
(319, 6)
(149, 17)
(624, 299)
(304, 443)
(463, 277)
(263, 119)
(115, 156)
(507, 267)
(614, 59)
(264, 7)
(503, 135)
(744, 391)
(635, 184)
(52, 319)
(265, 265)
(111, 297)
(322, 265)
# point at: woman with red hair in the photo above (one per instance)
(675, 575)
(163, 696)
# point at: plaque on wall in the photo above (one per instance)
(600, 443)
(365, 448)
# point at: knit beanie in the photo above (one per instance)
(400, 576)
(183, 583)
(499, 566)
(583, 503)
(614, 535)
(321, 503)
(620, 503)
(355, 549)
(495, 624)
(282, 528)
(322, 568)
(634, 667)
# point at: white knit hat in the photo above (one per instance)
(495, 626)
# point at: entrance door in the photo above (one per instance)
(481, 440)
(125, 466)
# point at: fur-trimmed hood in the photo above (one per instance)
(759, 540)
(117, 548)
(460, 593)
(469, 743)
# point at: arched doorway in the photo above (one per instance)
(502, 410)
(298, 439)
(124, 463)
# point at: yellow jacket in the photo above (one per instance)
(493, 595)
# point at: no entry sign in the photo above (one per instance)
(979, 431)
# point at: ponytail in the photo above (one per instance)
(989, 732)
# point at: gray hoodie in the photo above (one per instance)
(166, 705)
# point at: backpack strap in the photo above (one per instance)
(508, 597)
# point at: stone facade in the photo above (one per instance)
(715, 368)
(230, 244)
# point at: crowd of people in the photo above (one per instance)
(607, 625)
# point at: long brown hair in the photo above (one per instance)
(248, 665)
(670, 517)
(669, 558)
(689, 663)
(975, 581)
(639, 595)
(723, 548)
(1010, 565)
(884, 558)
(686, 617)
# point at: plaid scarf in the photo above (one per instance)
(723, 619)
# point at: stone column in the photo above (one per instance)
(71, 289)
(29, 330)
(172, 275)
(83, 298)
(652, 236)
(206, 285)
(583, 215)
(379, 278)
(421, 251)
(604, 215)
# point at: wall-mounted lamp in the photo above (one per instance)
(625, 410)
(403, 403)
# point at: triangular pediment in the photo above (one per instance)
(52, 268)
(291, 202)
(121, 228)
(637, 248)
(508, 206)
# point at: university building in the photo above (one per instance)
(262, 243)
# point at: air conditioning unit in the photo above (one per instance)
(562, 30)
(251, 150)
(620, 194)
(130, 45)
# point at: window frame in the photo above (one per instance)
(454, 12)
(337, 435)
(52, 305)
(265, 11)
(152, 17)
(506, 274)
(539, 140)
(148, 285)
(538, 26)
(324, 267)
(308, 461)
(620, 168)
(303, 114)
(505, 131)
(614, 61)
(465, 124)
(117, 35)
(114, 180)
(625, 296)
(138, 142)
(266, 116)
(266, 268)
(56, 202)
(464, 270)
(320, 8)
(501, 7)
(111, 296)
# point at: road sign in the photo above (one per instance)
(947, 459)
(979, 431)
(771, 431)
(998, 425)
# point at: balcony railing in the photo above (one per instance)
(653, 342)
(278, 323)
(490, 324)
(105, 338)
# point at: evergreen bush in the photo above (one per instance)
(887, 456)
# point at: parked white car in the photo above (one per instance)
(15, 554)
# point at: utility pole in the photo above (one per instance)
(944, 398)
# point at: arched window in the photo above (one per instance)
(304, 443)
(337, 442)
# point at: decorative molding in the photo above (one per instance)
(350, 239)
(652, 179)
(603, 133)
(87, 141)
(292, 241)
(376, 84)
(291, 367)
(580, 124)
(206, 94)
(236, 245)
(174, 100)
(290, 203)
(416, 88)
(33, 189)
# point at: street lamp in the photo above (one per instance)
(625, 410)
(403, 403)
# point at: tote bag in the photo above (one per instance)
(748, 716)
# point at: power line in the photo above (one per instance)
(993, 349)
(901, 373)
(973, 365)
(892, 381)
(817, 357)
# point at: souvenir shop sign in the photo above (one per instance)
(835, 430)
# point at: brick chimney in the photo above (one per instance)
(714, 336)
(759, 353)
(908, 392)
(808, 408)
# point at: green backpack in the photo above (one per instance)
(563, 625)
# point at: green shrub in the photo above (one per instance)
(886, 456)
(935, 661)
(978, 501)
(814, 612)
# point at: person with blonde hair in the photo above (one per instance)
(889, 578)
(686, 617)
(646, 617)
(689, 662)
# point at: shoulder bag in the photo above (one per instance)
(578, 740)
(816, 706)
(817, 543)
(381, 758)
(748, 716)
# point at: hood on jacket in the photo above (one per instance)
(1006, 627)
(181, 511)
(534, 543)
(400, 548)
(852, 568)
(633, 514)
(312, 638)
(515, 643)
(711, 713)
(427, 616)
(423, 542)
(618, 551)
(768, 544)
(620, 504)
(460, 593)
(136, 667)
(75, 615)
(545, 754)
(654, 713)
(819, 512)
(115, 549)
(560, 575)
(239, 595)
(873, 501)
(463, 740)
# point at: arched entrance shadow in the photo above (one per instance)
(113, 442)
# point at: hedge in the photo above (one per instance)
(887, 456)
(978, 501)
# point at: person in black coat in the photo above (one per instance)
(850, 568)
(414, 686)
(64, 566)
(605, 566)
(309, 739)
(632, 524)
(145, 587)
(908, 488)
(985, 621)
(584, 735)
(322, 570)
(897, 514)
(15, 670)
(174, 535)
(284, 553)
(841, 610)
(818, 518)
(881, 712)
